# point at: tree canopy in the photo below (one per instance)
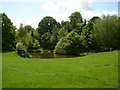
(8, 33)
(75, 18)
(68, 37)
(46, 24)
(107, 32)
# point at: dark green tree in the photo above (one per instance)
(75, 18)
(46, 24)
(62, 33)
(29, 28)
(8, 33)
(86, 33)
(45, 40)
(107, 32)
(93, 19)
(54, 36)
(67, 26)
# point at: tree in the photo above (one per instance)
(61, 33)
(107, 32)
(29, 28)
(93, 19)
(45, 40)
(54, 36)
(46, 24)
(86, 33)
(66, 25)
(8, 33)
(24, 36)
(75, 18)
(70, 44)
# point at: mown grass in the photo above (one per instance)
(98, 70)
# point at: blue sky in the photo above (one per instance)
(30, 13)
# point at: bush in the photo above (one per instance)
(71, 44)
(19, 46)
(22, 51)
(36, 44)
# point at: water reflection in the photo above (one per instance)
(50, 55)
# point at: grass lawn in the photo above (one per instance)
(98, 70)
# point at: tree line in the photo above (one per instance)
(68, 37)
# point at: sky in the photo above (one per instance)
(30, 12)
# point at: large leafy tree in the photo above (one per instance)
(27, 37)
(46, 24)
(54, 36)
(107, 32)
(24, 37)
(70, 44)
(62, 33)
(93, 19)
(29, 28)
(75, 18)
(8, 33)
(86, 33)
(67, 26)
(45, 40)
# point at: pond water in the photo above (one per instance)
(50, 55)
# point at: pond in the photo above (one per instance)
(50, 55)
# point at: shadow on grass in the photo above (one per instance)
(7, 51)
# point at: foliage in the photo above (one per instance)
(75, 18)
(8, 33)
(93, 19)
(19, 46)
(71, 44)
(95, 34)
(36, 44)
(86, 32)
(54, 36)
(25, 37)
(61, 33)
(67, 26)
(36, 35)
(46, 24)
(22, 51)
(45, 40)
(29, 28)
(107, 32)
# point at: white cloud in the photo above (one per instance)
(76, 5)
(62, 9)
(33, 22)
(70, 5)
(89, 14)
(50, 6)
(17, 22)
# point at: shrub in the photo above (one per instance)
(19, 46)
(22, 51)
(70, 44)
(36, 44)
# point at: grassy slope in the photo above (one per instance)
(93, 71)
